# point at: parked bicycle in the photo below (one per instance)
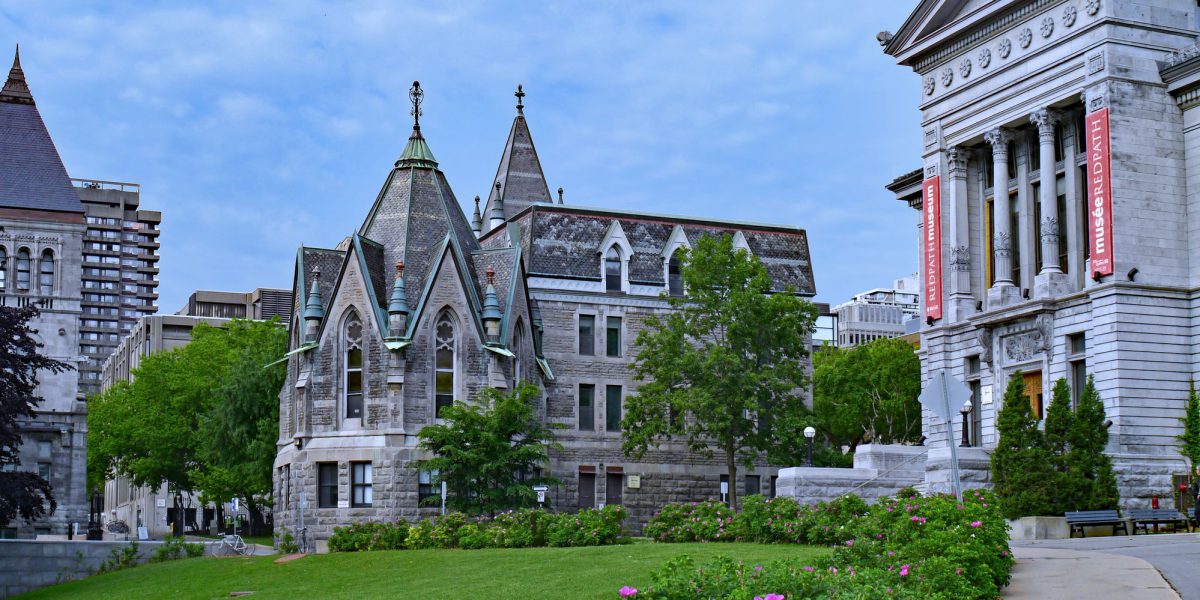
(117, 527)
(232, 544)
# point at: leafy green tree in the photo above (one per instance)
(1089, 467)
(868, 393)
(490, 451)
(1059, 418)
(22, 493)
(1189, 441)
(1022, 465)
(725, 370)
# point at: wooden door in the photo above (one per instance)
(1033, 390)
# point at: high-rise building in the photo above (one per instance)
(41, 237)
(261, 304)
(120, 270)
(878, 313)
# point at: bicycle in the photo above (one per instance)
(235, 544)
(117, 527)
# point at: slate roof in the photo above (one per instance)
(520, 173)
(330, 264)
(564, 242)
(32, 175)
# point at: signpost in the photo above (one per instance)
(944, 396)
(541, 493)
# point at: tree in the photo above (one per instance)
(1022, 468)
(203, 417)
(1059, 419)
(1189, 441)
(725, 370)
(22, 494)
(1089, 467)
(868, 393)
(490, 451)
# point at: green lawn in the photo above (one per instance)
(527, 574)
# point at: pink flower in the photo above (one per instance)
(628, 592)
(904, 571)
(769, 597)
(849, 542)
(758, 567)
(976, 523)
(809, 569)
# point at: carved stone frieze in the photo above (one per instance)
(930, 85)
(964, 68)
(1020, 347)
(947, 76)
(1004, 48)
(1025, 37)
(1092, 7)
(1047, 26)
(1070, 13)
(985, 58)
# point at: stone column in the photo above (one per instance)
(1002, 292)
(1050, 280)
(1076, 274)
(961, 303)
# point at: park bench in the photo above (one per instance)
(1079, 519)
(1157, 516)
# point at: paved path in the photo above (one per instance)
(1176, 556)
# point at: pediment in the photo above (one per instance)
(933, 16)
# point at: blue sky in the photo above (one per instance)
(258, 126)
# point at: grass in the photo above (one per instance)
(526, 573)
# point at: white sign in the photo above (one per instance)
(161, 503)
(343, 504)
(235, 505)
(634, 481)
(541, 496)
(985, 394)
(944, 396)
(724, 487)
(143, 533)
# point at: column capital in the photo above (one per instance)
(1045, 119)
(956, 161)
(999, 139)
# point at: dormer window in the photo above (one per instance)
(354, 367)
(612, 270)
(675, 274)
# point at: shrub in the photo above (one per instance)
(174, 548)
(691, 522)
(285, 542)
(588, 527)
(520, 529)
(899, 548)
(361, 537)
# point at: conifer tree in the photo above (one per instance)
(1022, 469)
(1058, 424)
(1089, 467)
(1189, 442)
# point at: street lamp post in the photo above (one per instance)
(966, 412)
(810, 433)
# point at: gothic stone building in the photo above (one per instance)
(421, 307)
(41, 245)
(1060, 227)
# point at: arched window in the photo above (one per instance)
(445, 346)
(518, 348)
(3, 268)
(675, 274)
(23, 269)
(46, 273)
(354, 367)
(612, 270)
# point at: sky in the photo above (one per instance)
(256, 127)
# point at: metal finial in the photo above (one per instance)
(520, 99)
(399, 268)
(497, 189)
(560, 195)
(416, 96)
(317, 273)
(491, 275)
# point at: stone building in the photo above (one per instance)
(878, 313)
(1080, 113)
(422, 307)
(41, 237)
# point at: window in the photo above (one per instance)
(587, 335)
(614, 485)
(774, 485)
(44, 470)
(587, 491)
(3, 268)
(587, 407)
(612, 270)
(327, 485)
(753, 485)
(612, 408)
(44, 449)
(518, 348)
(444, 361)
(975, 418)
(354, 367)
(1014, 232)
(1077, 362)
(675, 274)
(360, 484)
(23, 269)
(425, 480)
(613, 339)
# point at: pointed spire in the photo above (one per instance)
(491, 309)
(497, 216)
(314, 312)
(476, 219)
(520, 100)
(560, 195)
(15, 89)
(416, 153)
(519, 171)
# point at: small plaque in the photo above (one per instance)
(541, 496)
(143, 533)
(343, 504)
(161, 503)
(986, 394)
(634, 482)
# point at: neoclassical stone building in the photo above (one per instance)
(422, 307)
(1060, 228)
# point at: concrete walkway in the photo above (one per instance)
(1087, 575)
(1175, 556)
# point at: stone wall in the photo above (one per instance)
(879, 470)
(34, 564)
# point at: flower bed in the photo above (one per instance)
(903, 547)
(520, 529)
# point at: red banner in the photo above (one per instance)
(931, 200)
(1099, 186)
